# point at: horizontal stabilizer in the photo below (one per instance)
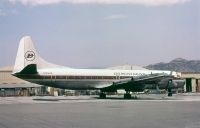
(29, 69)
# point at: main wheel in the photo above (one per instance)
(102, 96)
(127, 96)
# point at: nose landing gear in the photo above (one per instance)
(169, 92)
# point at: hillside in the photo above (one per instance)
(179, 64)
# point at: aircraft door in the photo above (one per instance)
(117, 76)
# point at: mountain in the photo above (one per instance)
(179, 64)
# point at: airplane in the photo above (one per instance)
(31, 67)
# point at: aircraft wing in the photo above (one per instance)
(137, 83)
(144, 78)
(151, 77)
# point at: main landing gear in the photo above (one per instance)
(102, 95)
(127, 95)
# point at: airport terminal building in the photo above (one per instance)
(192, 80)
(12, 86)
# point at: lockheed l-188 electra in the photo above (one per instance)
(31, 67)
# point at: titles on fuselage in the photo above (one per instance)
(115, 74)
(127, 74)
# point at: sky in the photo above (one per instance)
(102, 33)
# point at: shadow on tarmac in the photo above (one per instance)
(141, 97)
(97, 98)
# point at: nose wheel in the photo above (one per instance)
(170, 84)
(169, 92)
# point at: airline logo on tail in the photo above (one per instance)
(29, 55)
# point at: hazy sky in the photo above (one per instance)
(102, 33)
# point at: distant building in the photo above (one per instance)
(192, 80)
(12, 86)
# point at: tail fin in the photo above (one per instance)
(27, 55)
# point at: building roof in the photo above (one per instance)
(6, 68)
(190, 72)
(195, 75)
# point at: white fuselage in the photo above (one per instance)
(85, 78)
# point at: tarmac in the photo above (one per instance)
(148, 111)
